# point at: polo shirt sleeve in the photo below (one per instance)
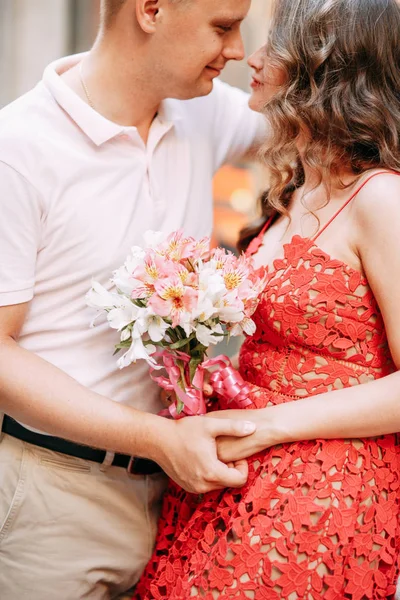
(236, 127)
(20, 224)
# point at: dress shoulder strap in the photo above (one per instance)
(354, 194)
(258, 240)
(267, 224)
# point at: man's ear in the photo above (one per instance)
(147, 14)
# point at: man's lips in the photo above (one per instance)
(216, 70)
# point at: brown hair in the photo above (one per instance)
(109, 10)
(341, 61)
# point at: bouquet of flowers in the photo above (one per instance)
(173, 299)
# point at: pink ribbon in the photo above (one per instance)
(226, 382)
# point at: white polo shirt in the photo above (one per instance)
(77, 191)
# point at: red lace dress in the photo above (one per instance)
(316, 519)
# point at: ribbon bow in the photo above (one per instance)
(226, 382)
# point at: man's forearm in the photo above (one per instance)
(39, 394)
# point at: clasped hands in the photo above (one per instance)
(233, 450)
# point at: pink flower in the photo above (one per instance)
(222, 258)
(153, 269)
(173, 299)
(200, 250)
(177, 247)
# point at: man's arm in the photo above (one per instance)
(37, 393)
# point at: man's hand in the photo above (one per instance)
(232, 449)
(187, 452)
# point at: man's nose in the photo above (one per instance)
(234, 48)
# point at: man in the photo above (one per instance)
(108, 145)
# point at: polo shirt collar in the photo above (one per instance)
(170, 111)
(93, 124)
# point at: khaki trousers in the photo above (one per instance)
(69, 529)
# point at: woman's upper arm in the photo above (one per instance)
(377, 214)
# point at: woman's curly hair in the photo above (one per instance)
(341, 65)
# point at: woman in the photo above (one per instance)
(318, 518)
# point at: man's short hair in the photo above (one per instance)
(109, 10)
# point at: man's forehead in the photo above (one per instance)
(232, 10)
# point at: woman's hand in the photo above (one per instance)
(231, 449)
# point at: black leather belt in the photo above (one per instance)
(133, 464)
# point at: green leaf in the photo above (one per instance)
(181, 343)
(179, 406)
(138, 302)
(181, 381)
(125, 344)
(198, 349)
(193, 364)
(158, 344)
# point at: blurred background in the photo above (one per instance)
(35, 32)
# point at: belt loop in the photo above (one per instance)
(2, 415)
(107, 462)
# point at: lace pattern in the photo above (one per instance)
(316, 519)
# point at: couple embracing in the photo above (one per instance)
(299, 496)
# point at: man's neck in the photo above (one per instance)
(115, 88)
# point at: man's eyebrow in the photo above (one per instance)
(227, 21)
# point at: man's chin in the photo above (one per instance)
(202, 89)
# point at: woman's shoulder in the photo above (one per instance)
(379, 185)
(378, 199)
(376, 219)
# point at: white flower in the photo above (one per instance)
(211, 283)
(186, 322)
(136, 352)
(207, 335)
(246, 326)
(230, 314)
(120, 310)
(122, 315)
(148, 322)
(100, 298)
(125, 335)
(205, 308)
(157, 328)
(211, 290)
(122, 277)
(230, 308)
(124, 281)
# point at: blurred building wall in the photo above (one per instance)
(32, 34)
